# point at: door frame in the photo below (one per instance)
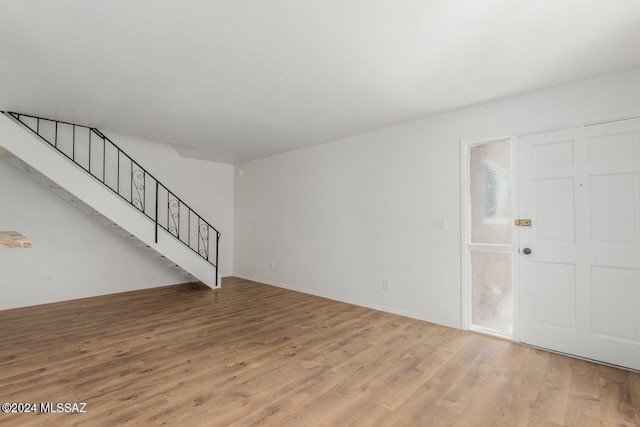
(465, 265)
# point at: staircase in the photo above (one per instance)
(86, 168)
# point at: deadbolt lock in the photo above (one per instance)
(523, 222)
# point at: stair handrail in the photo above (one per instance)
(203, 246)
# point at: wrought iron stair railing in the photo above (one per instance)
(97, 155)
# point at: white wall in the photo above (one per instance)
(339, 218)
(207, 187)
(73, 256)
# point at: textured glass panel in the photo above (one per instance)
(490, 188)
(491, 296)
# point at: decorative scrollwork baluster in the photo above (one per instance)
(137, 183)
(174, 215)
(203, 235)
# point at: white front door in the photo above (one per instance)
(580, 283)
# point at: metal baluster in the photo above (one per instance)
(156, 211)
(217, 250)
(118, 179)
(131, 189)
(104, 160)
(90, 152)
(144, 190)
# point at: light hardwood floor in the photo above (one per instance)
(252, 354)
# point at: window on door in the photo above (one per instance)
(489, 247)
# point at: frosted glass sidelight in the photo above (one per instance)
(490, 192)
(491, 296)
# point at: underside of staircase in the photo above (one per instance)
(85, 168)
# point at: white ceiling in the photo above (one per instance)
(238, 80)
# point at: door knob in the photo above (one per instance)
(526, 251)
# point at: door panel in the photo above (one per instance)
(555, 293)
(615, 216)
(580, 286)
(610, 146)
(616, 295)
(555, 213)
(554, 153)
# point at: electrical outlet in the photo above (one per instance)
(270, 266)
(386, 285)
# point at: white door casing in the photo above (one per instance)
(580, 286)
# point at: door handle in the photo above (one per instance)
(526, 251)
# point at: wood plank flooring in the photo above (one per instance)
(252, 354)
